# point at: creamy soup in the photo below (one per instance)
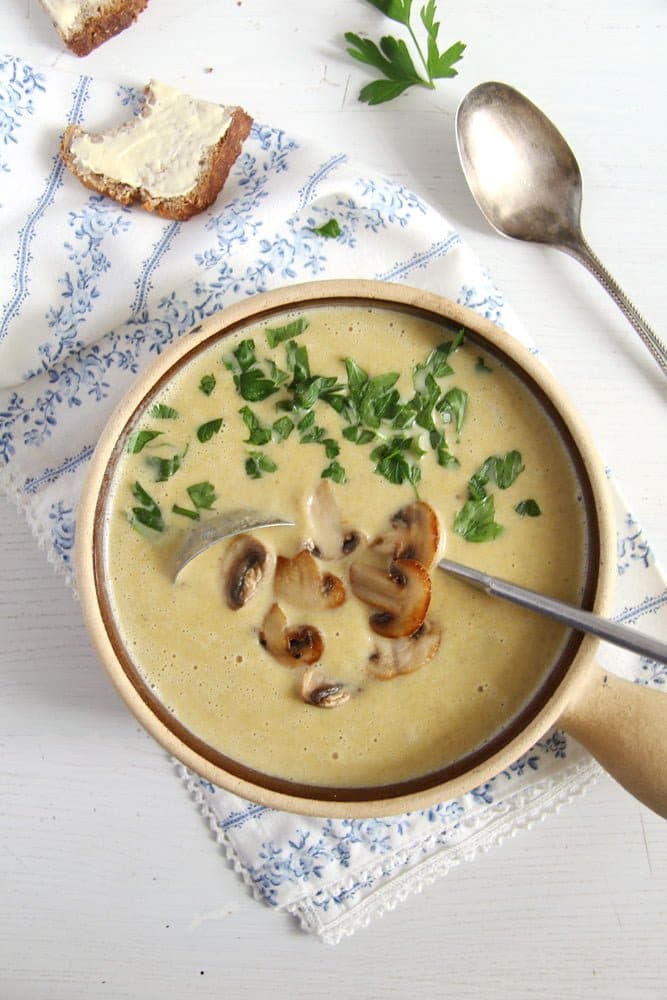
(246, 423)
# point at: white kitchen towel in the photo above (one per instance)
(90, 292)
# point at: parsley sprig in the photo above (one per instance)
(392, 57)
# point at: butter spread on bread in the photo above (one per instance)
(173, 157)
(85, 24)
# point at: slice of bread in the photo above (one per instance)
(85, 24)
(173, 157)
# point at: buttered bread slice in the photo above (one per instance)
(85, 24)
(173, 157)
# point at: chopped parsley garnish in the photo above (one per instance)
(277, 334)
(481, 366)
(148, 513)
(453, 405)
(330, 229)
(475, 521)
(392, 462)
(258, 434)
(257, 463)
(503, 468)
(334, 471)
(163, 412)
(138, 441)
(370, 406)
(282, 428)
(252, 381)
(206, 431)
(400, 431)
(165, 467)
(528, 508)
(207, 384)
(202, 495)
(185, 512)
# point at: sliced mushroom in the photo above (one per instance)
(414, 534)
(318, 690)
(291, 646)
(401, 592)
(401, 656)
(245, 564)
(299, 581)
(331, 539)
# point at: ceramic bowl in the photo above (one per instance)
(576, 695)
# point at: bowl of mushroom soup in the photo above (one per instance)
(325, 665)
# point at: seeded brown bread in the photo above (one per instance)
(214, 166)
(97, 22)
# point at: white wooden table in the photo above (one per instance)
(110, 885)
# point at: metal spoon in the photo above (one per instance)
(527, 183)
(235, 522)
(214, 529)
(577, 618)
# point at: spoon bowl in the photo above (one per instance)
(527, 184)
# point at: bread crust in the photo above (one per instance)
(98, 29)
(214, 170)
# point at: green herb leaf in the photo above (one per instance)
(258, 434)
(503, 468)
(244, 355)
(202, 495)
(257, 463)
(454, 404)
(391, 461)
(165, 467)
(334, 471)
(508, 468)
(475, 521)
(444, 456)
(206, 431)
(358, 434)
(207, 384)
(393, 59)
(314, 435)
(528, 508)
(138, 441)
(331, 448)
(277, 334)
(297, 361)
(330, 229)
(163, 412)
(397, 10)
(254, 386)
(149, 513)
(282, 428)
(185, 512)
(306, 421)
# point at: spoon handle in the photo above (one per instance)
(583, 253)
(577, 618)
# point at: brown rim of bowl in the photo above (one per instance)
(517, 735)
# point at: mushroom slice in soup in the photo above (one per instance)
(318, 690)
(299, 581)
(291, 646)
(401, 592)
(391, 657)
(245, 564)
(414, 533)
(330, 538)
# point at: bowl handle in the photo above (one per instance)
(624, 726)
